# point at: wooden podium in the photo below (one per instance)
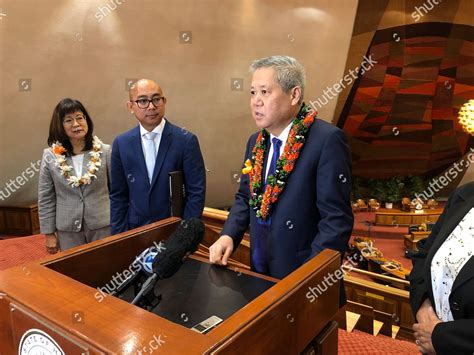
(53, 306)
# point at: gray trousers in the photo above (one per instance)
(68, 240)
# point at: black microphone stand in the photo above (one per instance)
(146, 297)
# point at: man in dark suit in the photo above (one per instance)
(442, 280)
(300, 205)
(142, 159)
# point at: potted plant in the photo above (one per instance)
(393, 188)
(414, 185)
(377, 189)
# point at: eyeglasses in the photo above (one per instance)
(69, 121)
(145, 102)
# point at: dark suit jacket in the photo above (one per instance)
(134, 201)
(313, 212)
(455, 337)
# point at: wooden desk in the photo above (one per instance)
(57, 296)
(391, 217)
(19, 220)
(410, 240)
(378, 263)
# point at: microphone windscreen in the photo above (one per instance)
(194, 229)
(184, 241)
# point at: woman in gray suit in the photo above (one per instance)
(73, 194)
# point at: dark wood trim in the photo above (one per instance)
(19, 221)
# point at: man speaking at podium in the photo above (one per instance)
(296, 183)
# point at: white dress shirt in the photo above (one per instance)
(448, 261)
(159, 130)
(283, 137)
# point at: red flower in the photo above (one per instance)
(297, 146)
(308, 120)
(58, 149)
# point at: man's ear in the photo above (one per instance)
(295, 95)
(130, 105)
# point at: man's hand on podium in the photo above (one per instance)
(220, 251)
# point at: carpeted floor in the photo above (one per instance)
(17, 251)
(364, 226)
(358, 342)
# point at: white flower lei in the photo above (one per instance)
(92, 166)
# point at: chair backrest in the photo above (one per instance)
(366, 321)
(432, 203)
(361, 203)
(373, 202)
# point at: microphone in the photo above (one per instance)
(182, 243)
(143, 264)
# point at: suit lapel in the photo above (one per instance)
(447, 228)
(162, 151)
(466, 272)
(459, 211)
(85, 161)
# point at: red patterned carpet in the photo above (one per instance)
(364, 226)
(359, 342)
(20, 250)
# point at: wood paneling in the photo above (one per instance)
(401, 218)
(19, 220)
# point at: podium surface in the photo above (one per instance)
(200, 290)
(55, 303)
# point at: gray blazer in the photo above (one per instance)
(63, 207)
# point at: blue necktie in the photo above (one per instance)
(276, 154)
(150, 153)
(262, 228)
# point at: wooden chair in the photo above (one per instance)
(432, 203)
(362, 205)
(374, 205)
(406, 204)
(355, 207)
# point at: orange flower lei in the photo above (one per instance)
(92, 166)
(262, 201)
